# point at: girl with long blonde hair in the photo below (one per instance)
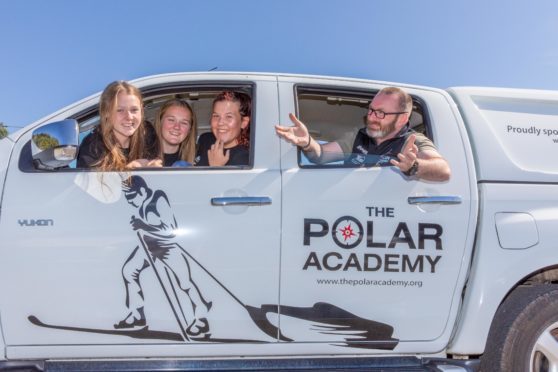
(118, 143)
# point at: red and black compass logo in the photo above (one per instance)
(347, 232)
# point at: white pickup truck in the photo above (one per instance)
(300, 265)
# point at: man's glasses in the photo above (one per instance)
(380, 114)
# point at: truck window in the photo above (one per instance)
(200, 99)
(335, 114)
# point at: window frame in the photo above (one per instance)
(353, 93)
(149, 92)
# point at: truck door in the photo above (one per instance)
(72, 259)
(370, 259)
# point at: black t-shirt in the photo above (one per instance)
(238, 155)
(366, 152)
(169, 159)
(92, 148)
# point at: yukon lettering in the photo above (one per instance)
(32, 222)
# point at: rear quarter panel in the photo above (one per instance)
(514, 137)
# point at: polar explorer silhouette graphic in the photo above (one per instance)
(155, 224)
(175, 269)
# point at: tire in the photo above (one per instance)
(524, 333)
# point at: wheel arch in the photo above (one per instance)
(519, 325)
(463, 337)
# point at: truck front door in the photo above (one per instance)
(76, 262)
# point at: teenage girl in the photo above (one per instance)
(229, 139)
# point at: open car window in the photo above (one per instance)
(332, 114)
(199, 96)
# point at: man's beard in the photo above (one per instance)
(387, 129)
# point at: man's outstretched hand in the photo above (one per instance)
(407, 156)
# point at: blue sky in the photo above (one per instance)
(56, 52)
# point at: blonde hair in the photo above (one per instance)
(113, 158)
(187, 149)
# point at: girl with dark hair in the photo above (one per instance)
(229, 140)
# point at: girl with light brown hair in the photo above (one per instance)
(176, 129)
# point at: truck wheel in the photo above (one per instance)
(524, 334)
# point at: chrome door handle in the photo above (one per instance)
(241, 200)
(444, 200)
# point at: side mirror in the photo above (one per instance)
(55, 145)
